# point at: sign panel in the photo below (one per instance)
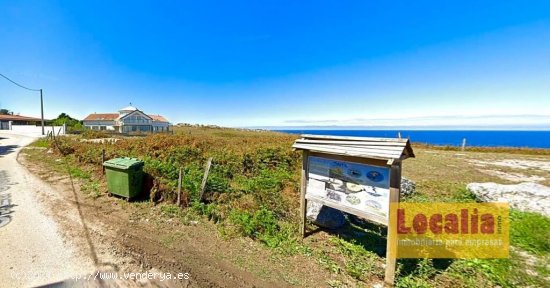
(450, 230)
(347, 184)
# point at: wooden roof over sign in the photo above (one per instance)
(364, 147)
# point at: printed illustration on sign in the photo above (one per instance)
(359, 186)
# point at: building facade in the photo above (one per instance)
(127, 120)
(8, 120)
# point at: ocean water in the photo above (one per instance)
(531, 139)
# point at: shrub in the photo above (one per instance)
(248, 178)
(260, 224)
(94, 134)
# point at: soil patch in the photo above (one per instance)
(130, 237)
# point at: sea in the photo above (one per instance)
(530, 139)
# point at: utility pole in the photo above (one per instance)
(41, 99)
(42, 111)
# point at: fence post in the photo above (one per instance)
(205, 177)
(179, 188)
(463, 144)
(103, 160)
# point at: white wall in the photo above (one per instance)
(98, 127)
(35, 130)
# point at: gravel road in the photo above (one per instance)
(33, 253)
(51, 232)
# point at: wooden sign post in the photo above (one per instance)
(357, 175)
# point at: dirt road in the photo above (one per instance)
(33, 251)
(45, 238)
(57, 232)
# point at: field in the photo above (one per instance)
(252, 200)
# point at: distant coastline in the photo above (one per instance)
(482, 138)
(541, 127)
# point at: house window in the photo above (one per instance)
(136, 120)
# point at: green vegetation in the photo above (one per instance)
(509, 150)
(5, 111)
(359, 263)
(91, 188)
(73, 125)
(530, 231)
(41, 143)
(94, 134)
(253, 189)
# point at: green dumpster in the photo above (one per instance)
(124, 176)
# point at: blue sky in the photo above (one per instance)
(283, 63)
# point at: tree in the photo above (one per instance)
(64, 118)
(73, 125)
(4, 111)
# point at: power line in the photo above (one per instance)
(41, 99)
(18, 83)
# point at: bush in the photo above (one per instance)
(94, 134)
(247, 183)
(260, 225)
(63, 145)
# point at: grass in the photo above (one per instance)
(328, 262)
(170, 210)
(507, 150)
(77, 172)
(169, 240)
(185, 217)
(253, 189)
(336, 284)
(530, 232)
(359, 263)
(42, 143)
(424, 271)
(92, 188)
(89, 185)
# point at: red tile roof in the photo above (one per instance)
(158, 118)
(102, 116)
(18, 118)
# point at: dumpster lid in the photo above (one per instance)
(123, 163)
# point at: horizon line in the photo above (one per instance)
(404, 128)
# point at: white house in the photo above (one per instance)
(128, 119)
